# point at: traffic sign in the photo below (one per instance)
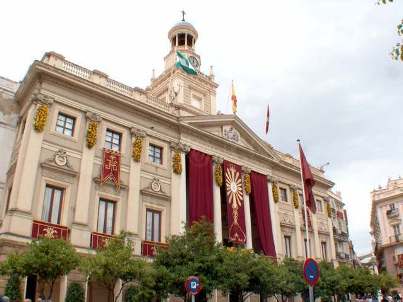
(311, 271)
(193, 285)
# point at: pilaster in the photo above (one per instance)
(298, 235)
(316, 240)
(80, 232)
(274, 214)
(248, 222)
(217, 199)
(133, 200)
(332, 244)
(178, 187)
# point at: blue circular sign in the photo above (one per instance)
(311, 271)
(193, 285)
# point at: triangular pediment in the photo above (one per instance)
(232, 128)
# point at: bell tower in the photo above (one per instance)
(188, 89)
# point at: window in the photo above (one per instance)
(319, 205)
(112, 140)
(396, 229)
(155, 154)
(324, 250)
(301, 198)
(106, 216)
(52, 204)
(391, 206)
(287, 245)
(153, 225)
(283, 194)
(65, 124)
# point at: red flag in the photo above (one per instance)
(267, 118)
(110, 170)
(308, 180)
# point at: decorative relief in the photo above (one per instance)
(178, 148)
(41, 116)
(274, 189)
(322, 227)
(328, 210)
(60, 158)
(295, 198)
(247, 184)
(286, 219)
(92, 129)
(231, 133)
(137, 147)
(218, 175)
(155, 185)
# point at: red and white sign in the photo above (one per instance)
(110, 170)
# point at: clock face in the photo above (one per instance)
(194, 61)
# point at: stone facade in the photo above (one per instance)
(69, 114)
(386, 221)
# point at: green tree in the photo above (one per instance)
(397, 51)
(195, 252)
(48, 260)
(115, 262)
(75, 293)
(13, 288)
(264, 277)
(330, 283)
(291, 282)
(386, 282)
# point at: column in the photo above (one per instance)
(248, 222)
(332, 244)
(217, 199)
(133, 199)
(298, 236)
(274, 218)
(178, 187)
(80, 231)
(316, 240)
(27, 165)
(63, 287)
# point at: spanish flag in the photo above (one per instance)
(233, 99)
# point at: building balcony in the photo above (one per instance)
(150, 248)
(42, 229)
(396, 238)
(392, 213)
(98, 240)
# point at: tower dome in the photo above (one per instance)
(183, 35)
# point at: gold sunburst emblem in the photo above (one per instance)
(234, 190)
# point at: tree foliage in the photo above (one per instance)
(13, 291)
(115, 262)
(75, 293)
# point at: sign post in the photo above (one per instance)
(311, 275)
(193, 286)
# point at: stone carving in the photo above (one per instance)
(286, 219)
(60, 159)
(155, 185)
(231, 133)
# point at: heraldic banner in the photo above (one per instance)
(235, 206)
(110, 170)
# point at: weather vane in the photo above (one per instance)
(183, 15)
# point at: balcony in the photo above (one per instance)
(392, 213)
(396, 238)
(49, 230)
(150, 248)
(98, 240)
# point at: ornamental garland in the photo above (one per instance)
(274, 190)
(247, 183)
(218, 175)
(177, 162)
(137, 148)
(92, 134)
(329, 210)
(295, 199)
(41, 117)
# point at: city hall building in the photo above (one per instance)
(90, 157)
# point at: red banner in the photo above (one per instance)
(400, 259)
(235, 206)
(110, 170)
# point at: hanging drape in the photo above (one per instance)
(235, 205)
(200, 186)
(260, 199)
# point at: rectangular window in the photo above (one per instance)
(65, 124)
(153, 225)
(106, 216)
(319, 206)
(324, 250)
(112, 140)
(287, 245)
(52, 204)
(283, 194)
(155, 154)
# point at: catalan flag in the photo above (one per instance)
(234, 99)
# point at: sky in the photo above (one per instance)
(322, 65)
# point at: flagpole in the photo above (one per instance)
(308, 250)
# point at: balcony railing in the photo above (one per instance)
(150, 248)
(392, 213)
(49, 230)
(396, 238)
(98, 240)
